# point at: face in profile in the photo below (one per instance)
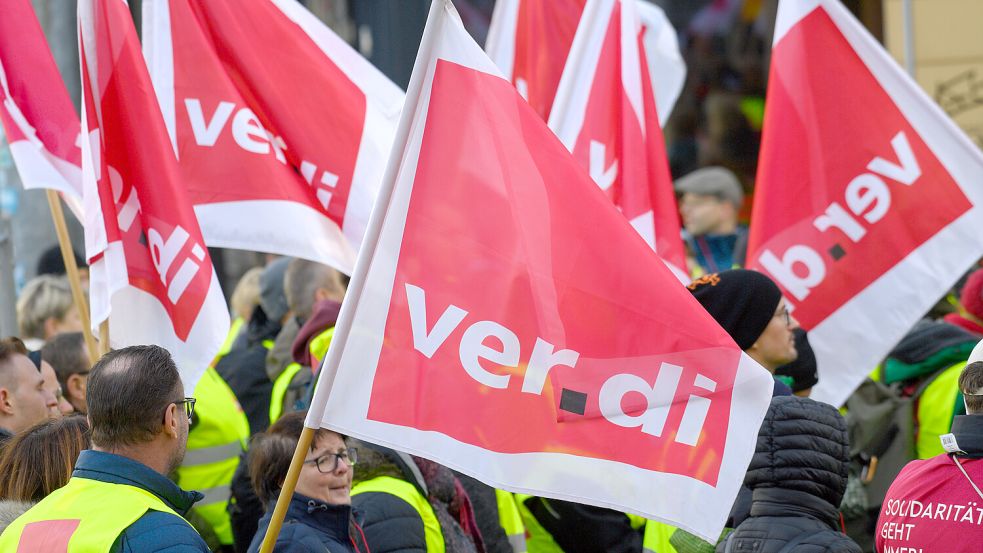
(776, 345)
(28, 402)
(327, 471)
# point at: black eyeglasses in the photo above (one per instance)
(189, 406)
(328, 462)
(785, 315)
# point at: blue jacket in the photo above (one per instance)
(312, 526)
(155, 530)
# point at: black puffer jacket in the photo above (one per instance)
(797, 476)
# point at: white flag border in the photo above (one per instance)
(357, 343)
(846, 358)
(333, 246)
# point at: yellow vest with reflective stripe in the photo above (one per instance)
(657, 536)
(538, 539)
(218, 436)
(935, 411)
(234, 329)
(511, 520)
(317, 348)
(408, 493)
(279, 392)
(87, 514)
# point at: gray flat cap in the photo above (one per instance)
(713, 181)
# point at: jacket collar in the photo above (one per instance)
(333, 520)
(968, 430)
(780, 502)
(116, 469)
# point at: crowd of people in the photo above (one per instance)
(201, 470)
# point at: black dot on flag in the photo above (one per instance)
(573, 402)
(837, 252)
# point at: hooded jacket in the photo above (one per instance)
(392, 525)
(797, 478)
(313, 526)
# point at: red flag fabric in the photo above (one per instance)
(605, 114)
(37, 115)
(505, 321)
(280, 127)
(530, 40)
(864, 208)
(150, 273)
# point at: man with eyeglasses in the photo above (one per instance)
(750, 307)
(119, 498)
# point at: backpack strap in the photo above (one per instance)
(729, 542)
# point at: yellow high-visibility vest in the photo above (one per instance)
(538, 539)
(511, 520)
(410, 494)
(216, 440)
(83, 516)
(318, 348)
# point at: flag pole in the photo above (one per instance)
(330, 364)
(72, 271)
(104, 338)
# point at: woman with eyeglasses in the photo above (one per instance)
(320, 515)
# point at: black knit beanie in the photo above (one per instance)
(742, 302)
(803, 371)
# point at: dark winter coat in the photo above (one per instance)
(797, 476)
(393, 525)
(580, 528)
(244, 369)
(313, 526)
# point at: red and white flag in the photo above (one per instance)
(37, 115)
(281, 128)
(529, 40)
(504, 320)
(865, 211)
(605, 114)
(150, 273)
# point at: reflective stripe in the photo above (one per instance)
(409, 493)
(214, 454)
(518, 542)
(280, 387)
(215, 495)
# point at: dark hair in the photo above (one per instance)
(971, 380)
(127, 393)
(51, 261)
(271, 452)
(65, 352)
(40, 460)
(10, 347)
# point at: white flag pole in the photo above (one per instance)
(330, 364)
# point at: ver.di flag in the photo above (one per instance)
(280, 127)
(529, 40)
(38, 118)
(505, 320)
(605, 113)
(865, 208)
(150, 273)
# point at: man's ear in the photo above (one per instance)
(5, 406)
(75, 386)
(171, 422)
